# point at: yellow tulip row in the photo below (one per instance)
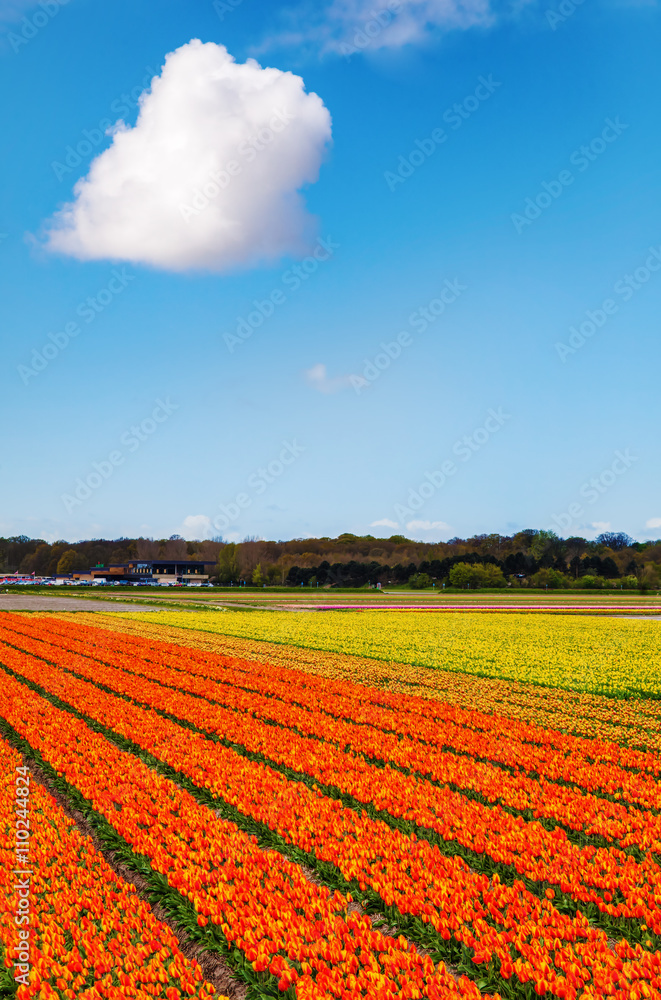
(635, 722)
(578, 652)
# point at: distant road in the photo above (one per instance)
(26, 599)
(44, 602)
(605, 609)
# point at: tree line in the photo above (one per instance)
(526, 558)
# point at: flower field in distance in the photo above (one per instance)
(608, 656)
(635, 721)
(332, 823)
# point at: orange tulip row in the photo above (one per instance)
(576, 810)
(635, 723)
(71, 892)
(530, 940)
(597, 766)
(263, 904)
(578, 766)
(353, 698)
(350, 701)
(589, 875)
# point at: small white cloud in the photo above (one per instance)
(654, 522)
(601, 525)
(196, 526)
(349, 27)
(353, 22)
(209, 176)
(427, 526)
(384, 523)
(317, 377)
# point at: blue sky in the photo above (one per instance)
(380, 215)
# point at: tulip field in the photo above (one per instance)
(604, 655)
(205, 805)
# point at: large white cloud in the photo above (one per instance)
(209, 176)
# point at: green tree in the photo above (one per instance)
(615, 540)
(57, 551)
(492, 576)
(647, 578)
(257, 576)
(548, 578)
(71, 561)
(38, 561)
(420, 581)
(545, 543)
(609, 568)
(228, 564)
(476, 575)
(463, 575)
(589, 582)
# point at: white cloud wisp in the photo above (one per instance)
(351, 27)
(318, 378)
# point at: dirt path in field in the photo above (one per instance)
(648, 618)
(43, 602)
